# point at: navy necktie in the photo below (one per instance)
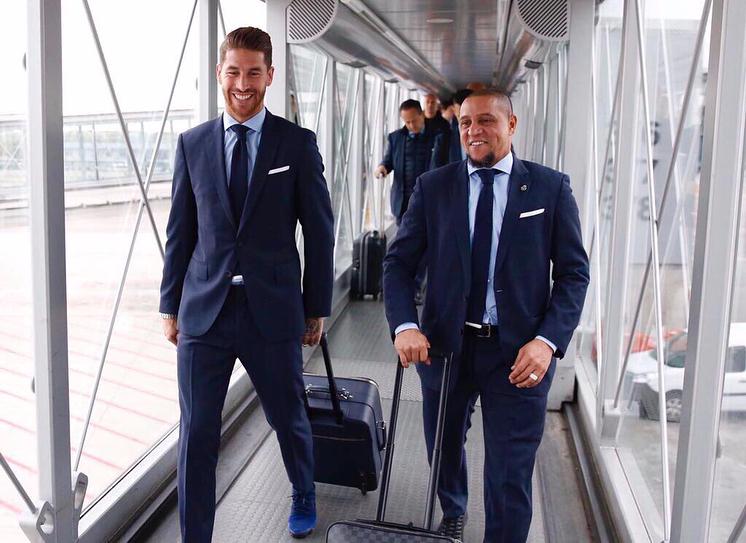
(481, 245)
(239, 181)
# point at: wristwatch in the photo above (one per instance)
(168, 316)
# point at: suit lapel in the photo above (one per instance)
(264, 157)
(216, 163)
(519, 185)
(460, 202)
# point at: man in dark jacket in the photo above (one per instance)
(410, 153)
(434, 121)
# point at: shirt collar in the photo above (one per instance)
(505, 164)
(412, 134)
(255, 123)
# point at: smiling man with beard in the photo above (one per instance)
(495, 232)
(232, 285)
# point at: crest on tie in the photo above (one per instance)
(524, 188)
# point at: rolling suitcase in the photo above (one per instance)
(363, 531)
(368, 250)
(349, 432)
(367, 264)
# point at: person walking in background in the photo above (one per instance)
(434, 121)
(452, 145)
(410, 152)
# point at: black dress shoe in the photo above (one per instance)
(453, 527)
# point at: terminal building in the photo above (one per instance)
(642, 103)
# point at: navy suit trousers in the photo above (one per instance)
(513, 421)
(205, 364)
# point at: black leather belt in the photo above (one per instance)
(484, 330)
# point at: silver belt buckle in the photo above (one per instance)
(481, 330)
(237, 280)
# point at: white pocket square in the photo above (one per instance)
(531, 213)
(279, 170)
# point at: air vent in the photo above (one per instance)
(309, 19)
(546, 19)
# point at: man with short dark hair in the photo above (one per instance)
(231, 283)
(455, 151)
(410, 152)
(507, 280)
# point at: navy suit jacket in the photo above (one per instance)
(393, 160)
(531, 251)
(205, 247)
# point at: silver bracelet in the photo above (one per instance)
(168, 316)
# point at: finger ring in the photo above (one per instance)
(533, 376)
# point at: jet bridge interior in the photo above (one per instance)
(641, 102)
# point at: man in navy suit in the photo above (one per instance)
(495, 230)
(231, 283)
(409, 152)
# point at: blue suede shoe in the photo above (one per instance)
(302, 518)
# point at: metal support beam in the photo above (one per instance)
(357, 166)
(45, 162)
(577, 149)
(277, 94)
(625, 175)
(715, 247)
(208, 58)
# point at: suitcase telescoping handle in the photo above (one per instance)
(432, 483)
(333, 392)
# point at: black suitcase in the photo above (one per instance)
(367, 264)
(349, 432)
(362, 531)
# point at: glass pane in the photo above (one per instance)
(136, 402)
(17, 409)
(307, 69)
(344, 103)
(237, 13)
(373, 146)
(669, 51)
(729, 500)
(607, 42)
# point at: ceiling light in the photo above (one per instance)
(440, 20)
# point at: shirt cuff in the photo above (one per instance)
(406, 326)
(551, 345)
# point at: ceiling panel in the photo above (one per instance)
(462, 51)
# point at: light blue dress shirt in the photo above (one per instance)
(500, 192)
(500, 200)
(253, 137)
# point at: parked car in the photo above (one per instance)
(642, 375)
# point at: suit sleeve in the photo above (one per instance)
(569, 273)
(181, 234)
(388, 158)
(440, 151)
(402, 260)
(317, 220)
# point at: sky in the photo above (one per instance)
(141, 40)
